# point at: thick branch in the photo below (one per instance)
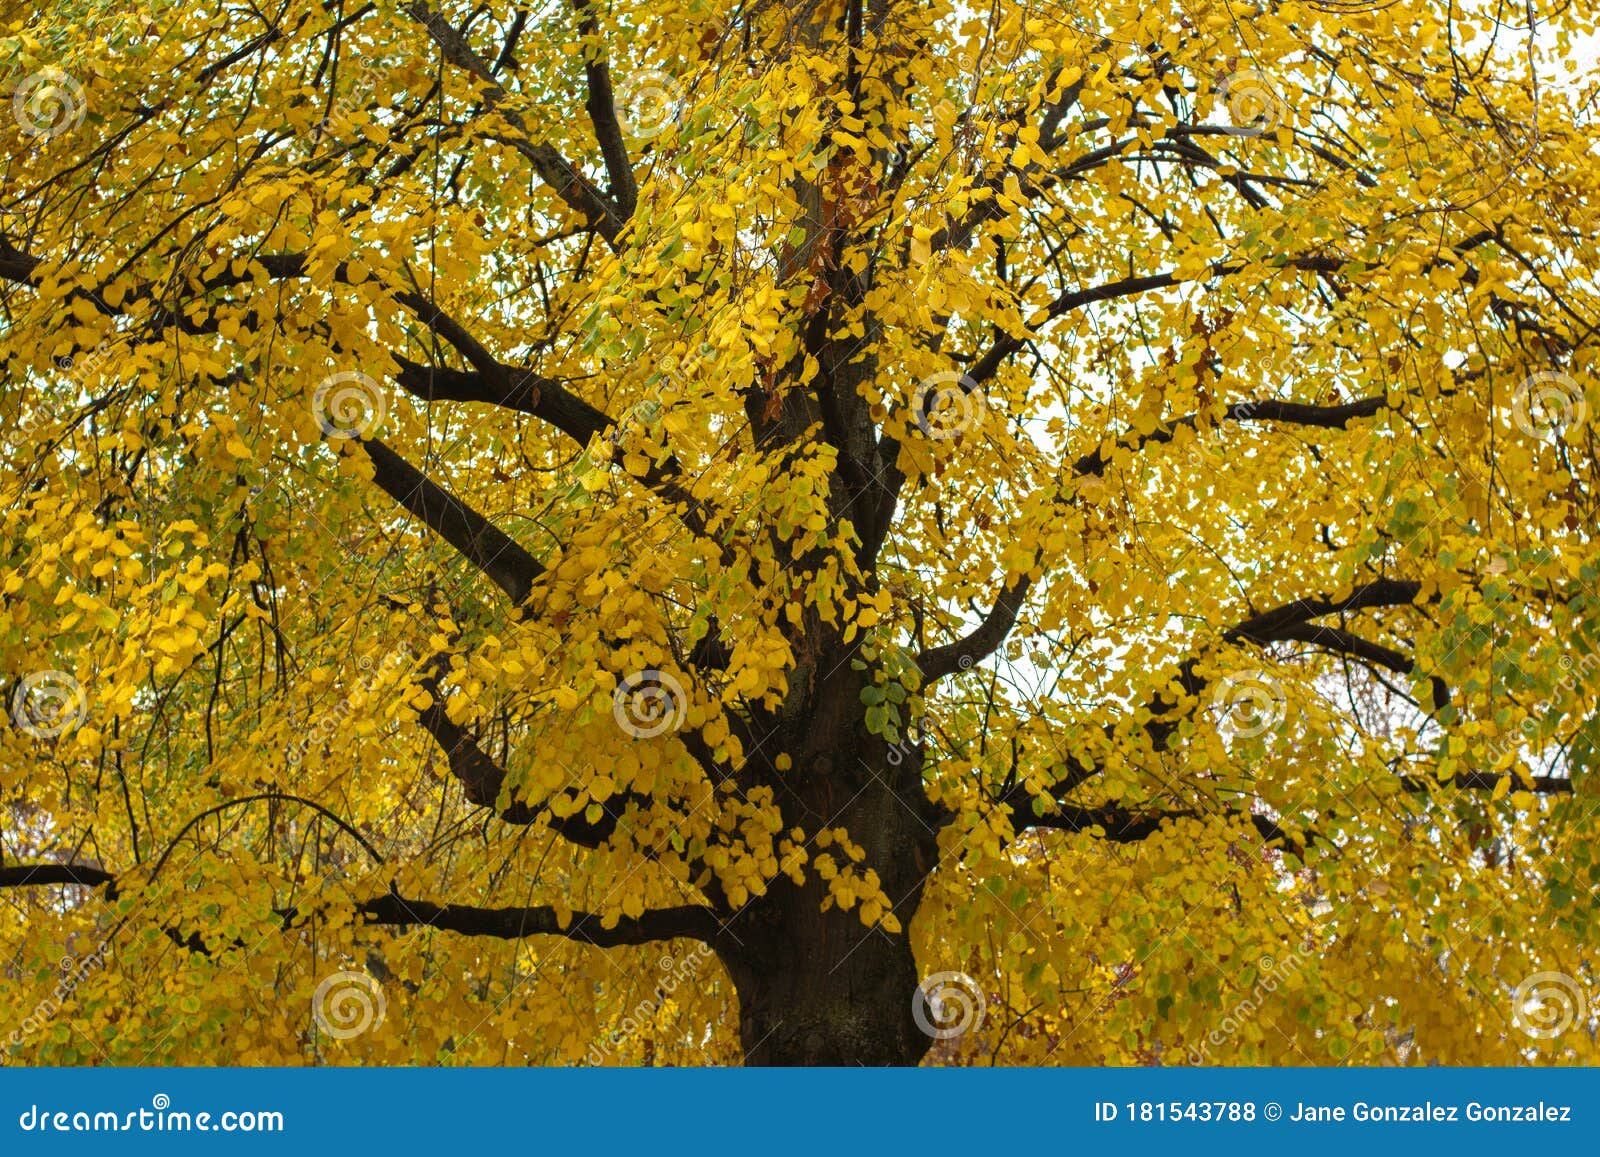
(1269, 626)
(1487, 781)
(984, 639)
(39, 875)
(478, 540)
(482, 778)
(687, 921)
(602, 108)
(508, 386)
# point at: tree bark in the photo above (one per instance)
(832, 993)
(820, 987)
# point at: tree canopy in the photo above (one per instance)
(637, 531)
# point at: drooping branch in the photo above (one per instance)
(1291, 622)
(982, 641)
(482, 779)
(478, 540)
(1347, 643)
(1135, 285)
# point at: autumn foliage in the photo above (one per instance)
(637, 531)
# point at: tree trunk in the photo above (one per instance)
(840, 996)
(822, 988)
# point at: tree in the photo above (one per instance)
(1089, 506)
